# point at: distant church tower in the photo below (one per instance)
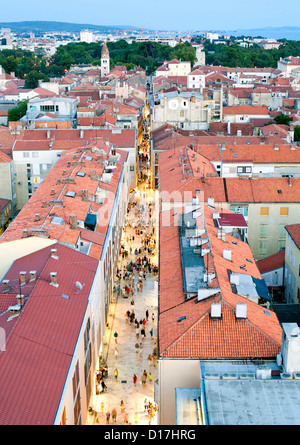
(105, 68)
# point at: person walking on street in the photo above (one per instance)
(116, 374)
(134, 379)
(122, 406)
(150, 377)
(116, 352)
(107, 417)
(116, 336)
(151, 333)
(114, 415)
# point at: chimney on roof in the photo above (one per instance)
(5, 285)
(22, 277)
(54, 254)
(32, 275)
(215, 310)
(53, 278)
(211, 202)
(52, 192)
(228, 127)
(81, 134)
(25, 233)
(93, 173)
(20, 300)
(48, 134)
(73, 222)
(44, 203)
(64, 172)
(241, 310)
(69, 164)
(235, 279)
(37, 217)
(85, 194)
(227, 254)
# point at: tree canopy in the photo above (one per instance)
(149, 55)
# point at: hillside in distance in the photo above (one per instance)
(44, 26)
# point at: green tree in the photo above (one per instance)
(283, 119)
(297, 133)
(16, 113)
(33, 77)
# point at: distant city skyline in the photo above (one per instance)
(159, 14)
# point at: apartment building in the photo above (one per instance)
(8, 179)
(292, 264)
(51, 335)
(174, 68)
(81, 204)
(210, 291)
(187, 110)
(267, 203)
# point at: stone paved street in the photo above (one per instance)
(129, 360)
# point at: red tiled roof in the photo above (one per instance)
(272, 262)
(43, 339)
(294, 231)
(50, 198)
(199, 336)
(246, 109)
(3, 203)
(263, 190)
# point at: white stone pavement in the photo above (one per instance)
(129, 362)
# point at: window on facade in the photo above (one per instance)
(242, 210)
(263, 230)
(76, 396)
(47, 108)
(25, 154)
(281, 245)
(264, 211)
(262, 247)
(284, 211)
(282, 231)
(181, 113)
(244, 169)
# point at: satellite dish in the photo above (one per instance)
(79, 286)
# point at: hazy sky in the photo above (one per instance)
(159, 14)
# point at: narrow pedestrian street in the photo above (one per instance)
(128, 397)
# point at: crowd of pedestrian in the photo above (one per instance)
(136, 264)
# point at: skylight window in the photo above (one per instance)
(57, 220)
(88, 158)
(70, 194)
(82, 174)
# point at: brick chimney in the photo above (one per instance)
(54, 254)
(32, 275)
(22, 277)
(73, 222)
(53, 277)
(85, 194)
(5, 285)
